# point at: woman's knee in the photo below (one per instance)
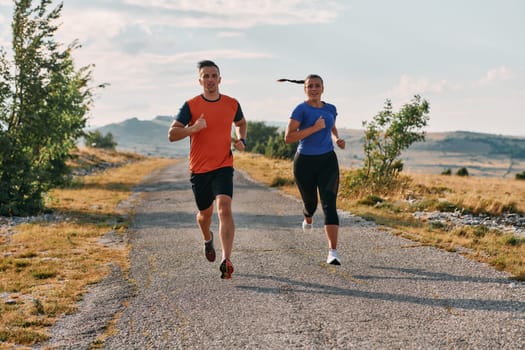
(331, 218)
(330, 213)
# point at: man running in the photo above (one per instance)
(207, 119)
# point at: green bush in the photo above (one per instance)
(424, 204)
(269, 141)
(95, 139)
(513, 240)
(281, 181)
(462, 172)
(446, 206)
(370, 200)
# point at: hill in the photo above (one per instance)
(482, 154)
(147, 137)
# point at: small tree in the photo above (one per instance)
(277, 148)
(95, 139)
(387, 135)
(267, 140)
(258, 136)
(44, 101)
(462, 172)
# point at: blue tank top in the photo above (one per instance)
(321, 141)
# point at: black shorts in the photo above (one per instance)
(207, 186)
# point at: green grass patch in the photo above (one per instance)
(280, 181)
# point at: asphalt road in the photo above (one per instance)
(389, 293)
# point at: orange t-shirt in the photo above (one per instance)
(210, 148)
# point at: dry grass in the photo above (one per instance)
(88, 158)
(431, 192)
(46, 266)
(272, 172)
(477, 194)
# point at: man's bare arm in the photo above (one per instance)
(178, 131)
(240, 131)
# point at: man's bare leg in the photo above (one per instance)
(226, 225)
(204, 222)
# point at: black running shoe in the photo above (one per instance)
(226, 269)
(209, 250)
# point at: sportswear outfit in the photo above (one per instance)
(316, 167)
(211, 158)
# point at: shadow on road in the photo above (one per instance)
(316, 288)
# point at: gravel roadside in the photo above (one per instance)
(390, 293)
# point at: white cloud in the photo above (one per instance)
(494, 75)
(229, 34)
(409, 86)
(92, 25)
(147, 72)
(240, 13)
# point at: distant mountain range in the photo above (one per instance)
(482, 154)
(148, 137)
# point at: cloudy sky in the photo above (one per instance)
(467, 58)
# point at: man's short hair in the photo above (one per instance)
(207, 63)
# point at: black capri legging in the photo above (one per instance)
(319, 172)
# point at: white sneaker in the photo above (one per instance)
(333, 258)
(307, 226)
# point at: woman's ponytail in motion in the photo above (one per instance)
(311, 76)
(291, 81)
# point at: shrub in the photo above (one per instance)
(446, 206)
(371, 200)
(424, 204)
(42, 273)
(95, 139)
(437, 225)
(462, 172)
(388, 135)
(513, 240)
(480, 230)
(281, 181)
